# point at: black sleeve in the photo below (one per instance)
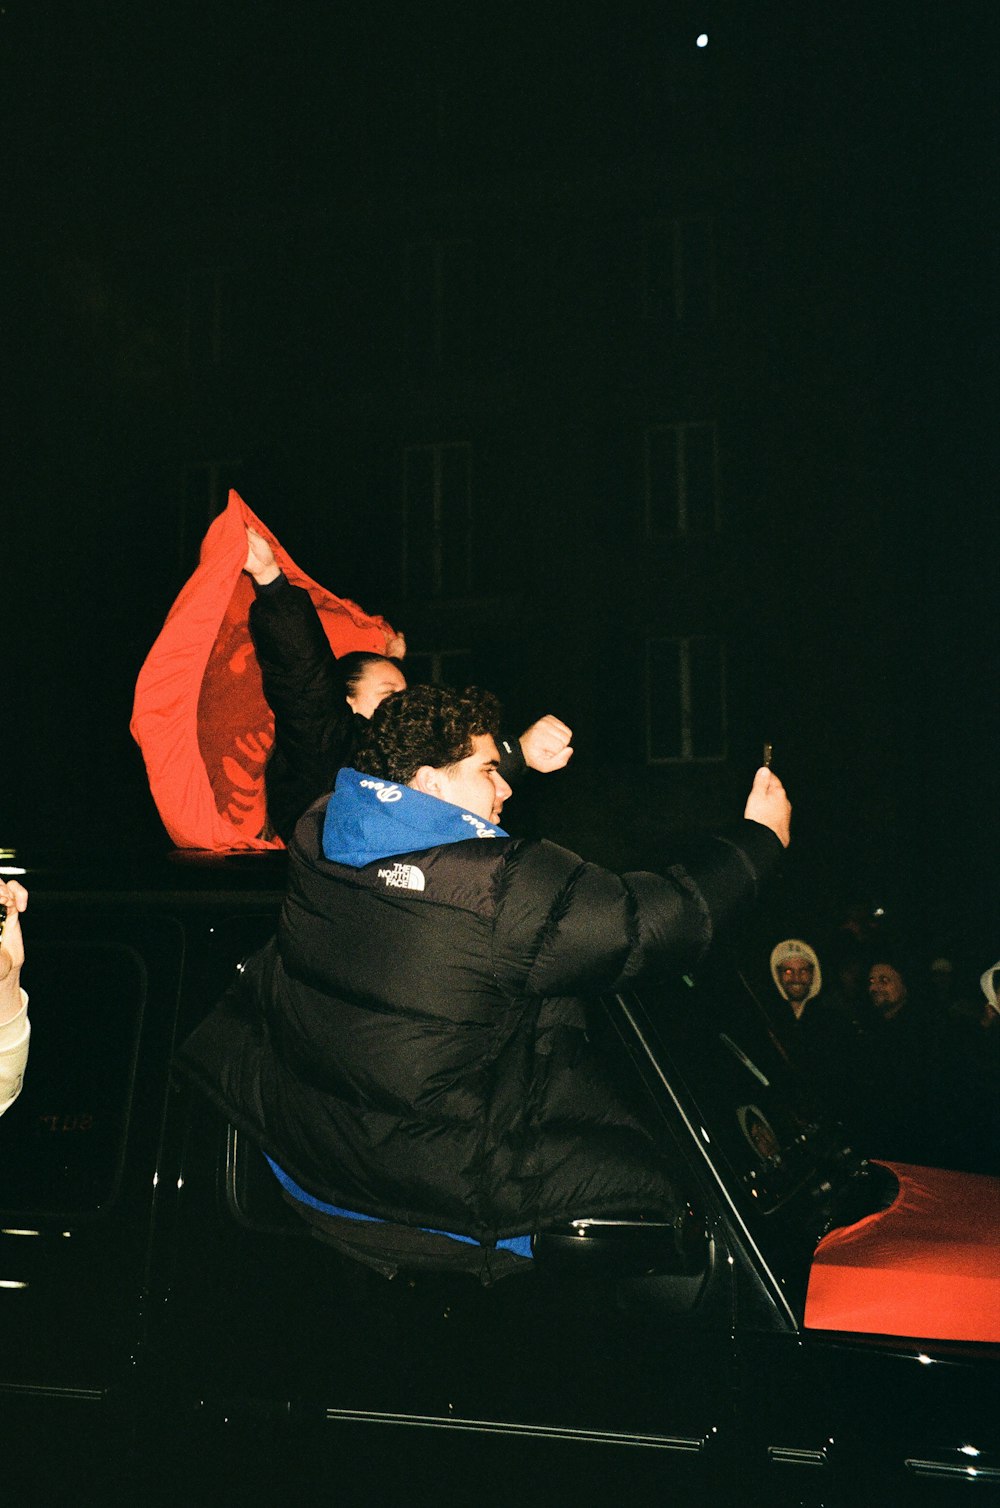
(714, 883)
(512, 765)
(313, 723)
(566, 927)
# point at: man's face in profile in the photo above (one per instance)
(475, 782)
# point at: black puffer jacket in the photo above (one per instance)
(421, 1054)
(315, 730)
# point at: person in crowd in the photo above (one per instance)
(888, 992)
(846, 980)
(861, 922)
(955, 1005)
(321, 704)
(412, 1045)
(922, 1089)
(15, 1029)
(990, 985)
(941, 976)
(971, 1063)
(796, 974)
(898, 1084)
(813, 1030)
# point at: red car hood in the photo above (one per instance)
(928, 1266)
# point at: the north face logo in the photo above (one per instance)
(403, 877)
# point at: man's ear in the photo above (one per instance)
(428, 780)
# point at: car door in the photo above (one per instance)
(842, 1419)
(267, 1347)
(77, 1159)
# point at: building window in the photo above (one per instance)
(438, 290)
(203, 493)
(681, 478)
(685, 700)
(207, 317)
(203, 497)
(439, 667)
(437, 519)
(678, 271)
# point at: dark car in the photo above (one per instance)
(173, 1331)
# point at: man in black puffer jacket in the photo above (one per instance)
(412, 1045)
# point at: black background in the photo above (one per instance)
(855, 150)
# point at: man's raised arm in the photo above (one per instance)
(612, 929)
(313, 723)
(547, 745)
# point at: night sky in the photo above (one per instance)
(857, 147)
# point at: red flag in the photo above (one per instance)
(199, 714)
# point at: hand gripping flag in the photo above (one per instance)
(199, 714)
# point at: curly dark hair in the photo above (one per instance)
(431, 725)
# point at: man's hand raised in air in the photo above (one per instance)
(260, 561)
(768, 804)
(547, 745)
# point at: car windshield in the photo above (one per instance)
(751, 1113)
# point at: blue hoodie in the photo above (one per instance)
(369, 819)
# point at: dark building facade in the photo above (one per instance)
(586, 353)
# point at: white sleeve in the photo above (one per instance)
(14, 1035)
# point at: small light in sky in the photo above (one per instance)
(703, 39)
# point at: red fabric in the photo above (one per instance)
(927, 1267)
(199, 714)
